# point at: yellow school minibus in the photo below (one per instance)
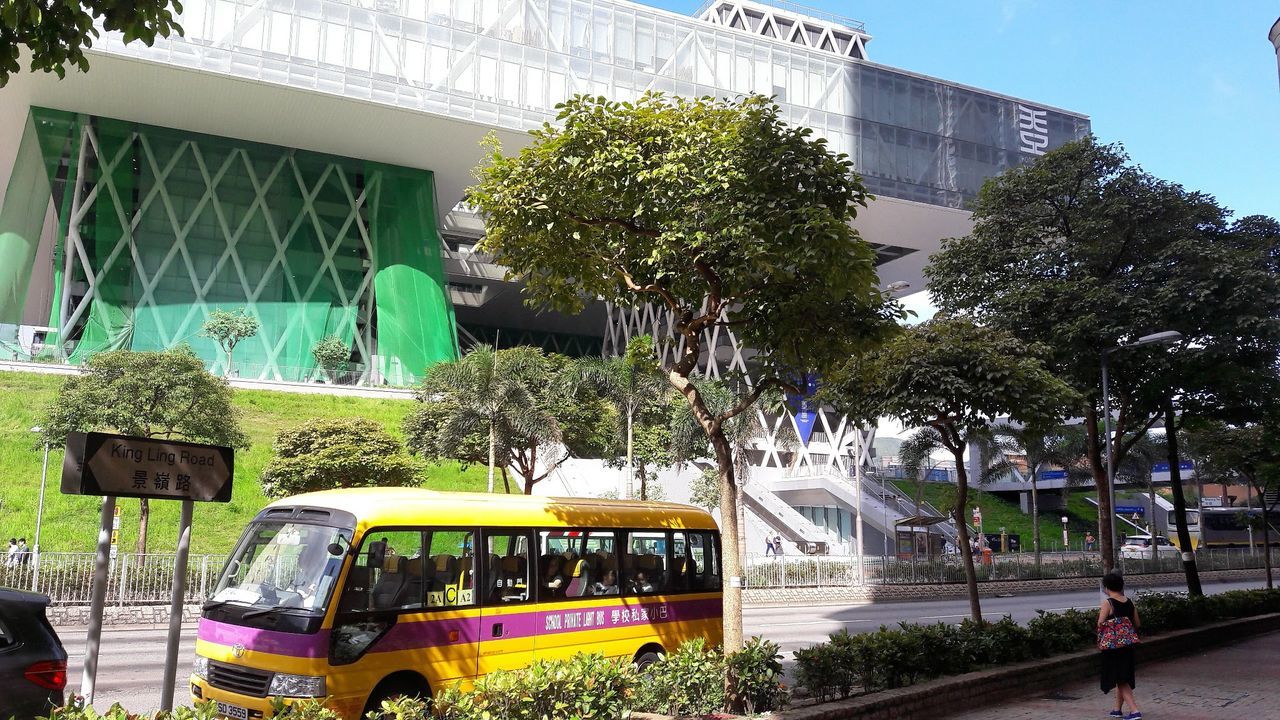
(364, 594)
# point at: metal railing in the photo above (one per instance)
(767, 571)
(134, 579)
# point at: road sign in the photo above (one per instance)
(1131, 510)
(123, 466)
(1053, 474)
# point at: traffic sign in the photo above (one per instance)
(124, 466)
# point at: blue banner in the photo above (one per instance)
(804, 408)
(1053, 475)
(1164, 467)
(1131, 510)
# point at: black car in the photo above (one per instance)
(33, 664)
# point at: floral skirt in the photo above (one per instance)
(1117, 667)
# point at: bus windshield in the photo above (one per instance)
(284, 566)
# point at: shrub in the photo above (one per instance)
(309, 709)
(584, 687)
(1055, 633)
(757, 673)
(689, 681)
(77, 709)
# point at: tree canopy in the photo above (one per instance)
(328, 454)
(228, 328)
(954, 378)
(1083, 251)
(145, 394)
(57, 32)
(715, 211)
(516, 409)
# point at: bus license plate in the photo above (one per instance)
(234, 712)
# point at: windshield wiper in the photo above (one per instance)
(212, 604)
(274, 608)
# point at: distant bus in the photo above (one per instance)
(1227, 527)
(364, 594)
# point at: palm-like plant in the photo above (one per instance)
(488, 391)
(631, 383)
(917, 457)
(1040, 449)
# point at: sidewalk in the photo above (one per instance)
(1237, 681)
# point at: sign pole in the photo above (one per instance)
(175, 607)
(101, 566)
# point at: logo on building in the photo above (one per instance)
(1033, 130)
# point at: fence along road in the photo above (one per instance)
(148, 579)
(131, 663)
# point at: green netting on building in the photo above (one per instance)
(164, 226)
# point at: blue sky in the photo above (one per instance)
(1190, 89)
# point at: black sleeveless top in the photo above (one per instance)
(1122, 609)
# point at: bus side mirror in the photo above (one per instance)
(335, 549)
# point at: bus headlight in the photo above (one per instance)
(285, 685)
(200, 667)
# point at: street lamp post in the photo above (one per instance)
(1160, 338)
(1066, 540)
(35, 550)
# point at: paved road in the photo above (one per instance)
(132, 659)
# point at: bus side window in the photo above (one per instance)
(647, 572)
(601, 564)
(507, 572)
(450, 568)
(382, 576)
(704, 568)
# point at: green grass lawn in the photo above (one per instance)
(998, 512)
(71, 522)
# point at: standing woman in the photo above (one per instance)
(1118, 663)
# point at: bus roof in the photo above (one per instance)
(416, 506)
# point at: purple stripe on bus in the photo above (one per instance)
(429, 633)
(268, 641)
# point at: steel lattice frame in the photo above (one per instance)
(835, 439)
(93, 194)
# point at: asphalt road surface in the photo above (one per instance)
(132, 659)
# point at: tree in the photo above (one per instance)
(145, 394)
(228, 328)
(954, 378)
(634, 385)
(1250, 453)
(331, 354)
(704, 490)
(1040, 449)
(1081, 251)
(327, 454)
(57, 32)
(519, 407)
(715, 211)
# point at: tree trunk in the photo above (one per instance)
(1035, 521)
(1180, 505)
(493, 451)
(1151, 509)
(729, 542)
(144, 516)
(227, 371)
(962, 529)
(644, 482)
(631, 470)
(1097, 463)
(529, 477)
(506, 481)
(1266, 532)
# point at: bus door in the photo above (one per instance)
(507, 620)
(409, 603)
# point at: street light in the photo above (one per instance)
(1066, 542)
(44, 475)
(1160, 338)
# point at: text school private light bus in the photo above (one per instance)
(359, 595)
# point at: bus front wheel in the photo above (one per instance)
(396, 686)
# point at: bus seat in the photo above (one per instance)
(387, 590)
(356, 594)
(514, 578)
(579, 580)
(411, 593)
(442, 576)
(463, 579)
(493, 573)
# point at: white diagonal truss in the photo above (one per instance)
(171, 209)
